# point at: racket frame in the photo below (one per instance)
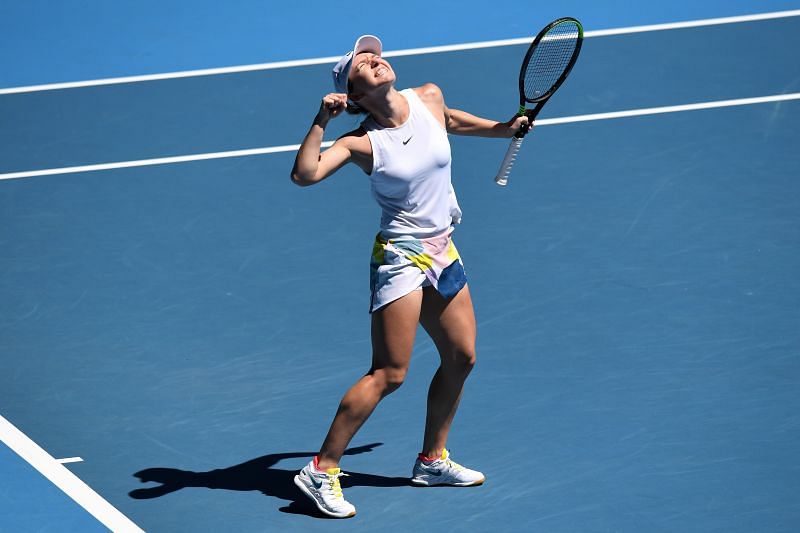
(525, 62)
(516, 143)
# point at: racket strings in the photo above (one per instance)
(550, 59)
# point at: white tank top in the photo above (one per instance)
(410, 175)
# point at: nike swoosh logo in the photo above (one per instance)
(406, 141)
(317, 484)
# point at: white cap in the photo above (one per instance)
(365, 43)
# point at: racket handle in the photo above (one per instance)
(508, 161)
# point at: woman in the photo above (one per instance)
(416, 273)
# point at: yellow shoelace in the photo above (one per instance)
(333, 481)
(450, 462)
(453, 464)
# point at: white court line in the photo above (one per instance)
(157, 161)
(668, 109)
(67, 460)
(65, 480)
(396, 53)
(326, 144)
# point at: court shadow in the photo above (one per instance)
(258, 474)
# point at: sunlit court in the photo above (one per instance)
(179, 320)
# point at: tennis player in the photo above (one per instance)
(417, 275)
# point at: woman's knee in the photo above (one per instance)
(389, 379)
(461, 360)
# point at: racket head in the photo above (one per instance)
(549, 60)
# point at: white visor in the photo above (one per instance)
(365, 43)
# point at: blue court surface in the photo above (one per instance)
(188, 329)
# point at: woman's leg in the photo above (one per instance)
(393, 330)
(451, 325)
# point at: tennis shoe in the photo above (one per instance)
(444, 471)
(324, 489)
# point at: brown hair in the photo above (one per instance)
(353, 108)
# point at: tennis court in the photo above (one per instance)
(178, 332)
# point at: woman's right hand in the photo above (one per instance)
(332, 106)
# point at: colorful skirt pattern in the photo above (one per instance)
(400, 266)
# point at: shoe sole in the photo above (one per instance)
(423, 483)
(302, 486)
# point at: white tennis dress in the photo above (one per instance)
(410, 180)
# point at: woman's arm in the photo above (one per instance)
(463, 123)
(311, 166)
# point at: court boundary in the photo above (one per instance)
(397, 53)
(64, 479)
(293, 147)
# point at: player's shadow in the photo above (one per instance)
(258, 474)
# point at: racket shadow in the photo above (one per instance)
(257, 475)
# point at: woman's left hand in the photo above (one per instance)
(515, 124)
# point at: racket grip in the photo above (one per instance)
(508, 161)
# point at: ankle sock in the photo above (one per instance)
(427, 460)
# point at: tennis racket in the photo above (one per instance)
(546, 65)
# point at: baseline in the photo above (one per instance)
(396, 53)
